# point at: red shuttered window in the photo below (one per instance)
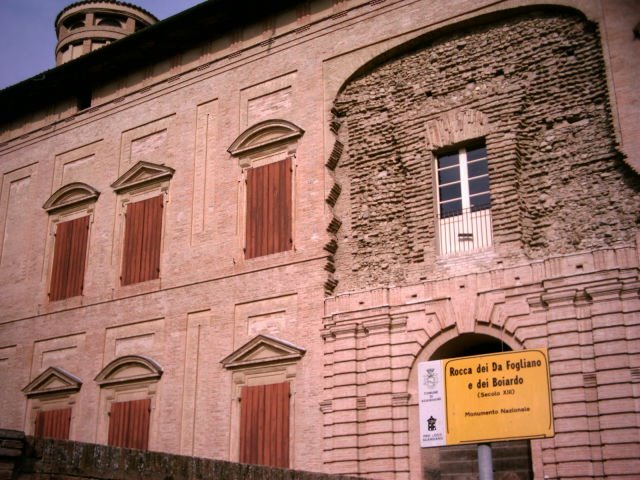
(53, 424)
(269, 209)
(69, 257)
(142, 239)
(264, 425)
(129, 424)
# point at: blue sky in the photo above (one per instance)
(28, 39)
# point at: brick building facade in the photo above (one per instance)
(228, 224)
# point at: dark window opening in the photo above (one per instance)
(84, 98)
(110, 21)
(74, 22)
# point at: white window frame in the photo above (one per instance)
(469, 231)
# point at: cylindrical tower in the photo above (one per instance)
(90, 24)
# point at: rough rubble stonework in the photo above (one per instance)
(554, 168)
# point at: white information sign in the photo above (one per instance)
(433, 419)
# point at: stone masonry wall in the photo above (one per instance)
(25, 458)
(558, 184)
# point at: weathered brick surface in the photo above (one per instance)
(563, 273)
(554, 168)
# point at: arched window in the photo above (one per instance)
(128, 387)
(74, 22)
(109, 22)
(70, 210)
(266, 153)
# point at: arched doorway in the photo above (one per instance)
(469, 344)
(511, 460)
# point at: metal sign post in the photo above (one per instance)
(485, 462)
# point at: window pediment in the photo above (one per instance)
(130, 368)
(263, 135)
(142, 173)
(53, 380)
(263, 350)
(69, 195)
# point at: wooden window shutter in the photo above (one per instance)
(129, 424)
(142, 240)
(269, 209)
(53, 424)
(264, 425)
(69, 258)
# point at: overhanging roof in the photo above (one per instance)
(176, 34)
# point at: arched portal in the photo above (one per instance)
(511, 460)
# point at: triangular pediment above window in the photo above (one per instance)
(142, 173)
(130, 368)
(53, 380)
(264, 135)
(69, 195)
(263, 350)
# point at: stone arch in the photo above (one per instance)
(451, 344)
(397, 109)
(69, 195)
(266, 154)
(129, 368)
(129, 389)
(424, 38)
(264, 135)
(477, 342)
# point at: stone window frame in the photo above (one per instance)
(142, 181)
(126, 378)
(70, 202)
(53, 389)
(263, 360)
(266, 142)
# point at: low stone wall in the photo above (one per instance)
(12, 445)
(24, 458)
